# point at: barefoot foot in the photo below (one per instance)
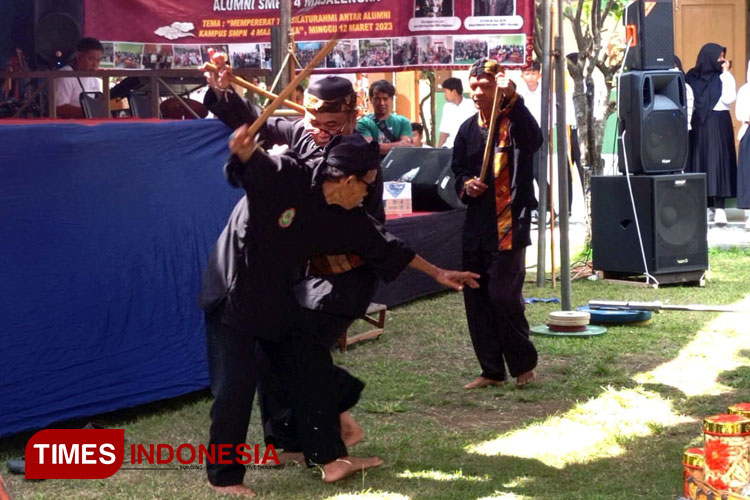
(525, 378)
(346, 466)
(351, 432)
(482, 382)
(237, 490)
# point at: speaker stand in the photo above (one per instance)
(684, 278)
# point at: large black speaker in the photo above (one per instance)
(429, 172)
(672, 218)
(649, 31)
(58, 25)
(652, 107)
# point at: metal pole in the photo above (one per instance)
(543, 156)
(278, 52)
(562, 165)
(285, 27)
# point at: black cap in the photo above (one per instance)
(330, 88)
(352, 154)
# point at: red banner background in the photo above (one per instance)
(382, 34)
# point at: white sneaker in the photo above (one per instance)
(747, 224)
(720, 217)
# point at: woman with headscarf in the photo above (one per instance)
(742, 113)
(712, 138)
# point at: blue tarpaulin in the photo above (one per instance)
(104, 233)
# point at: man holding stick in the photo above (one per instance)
(339, 286)
(494, 177)
(295, 213)
(332, 301)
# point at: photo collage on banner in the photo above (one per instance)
(388, 34)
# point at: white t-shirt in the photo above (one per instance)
(67, 90)
(453, 117)
(532, 100)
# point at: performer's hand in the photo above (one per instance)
(457, 279)
(505, 85)
(242, 144)
(219, 80)
(475, 188)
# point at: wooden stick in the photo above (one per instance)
(490, 145)
(279, 100)
(254, 88)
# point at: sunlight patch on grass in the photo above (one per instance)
(437, 475)
(369, 495)
(695, 370)
(587, 432)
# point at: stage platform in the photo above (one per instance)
(105, 230)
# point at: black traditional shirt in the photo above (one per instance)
(480, 226)
(289, 221)
(347, 294)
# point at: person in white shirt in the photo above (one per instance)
(89, 53)
(689, 97)
(532, 94)
(455, 111)
(712, 137)
(742, 113)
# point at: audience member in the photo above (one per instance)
(89, 53)
(456, 110)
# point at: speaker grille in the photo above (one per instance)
(664, 141)
(658, 37)
(56, 32)
(680, 223)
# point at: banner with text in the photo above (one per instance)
(378, 35)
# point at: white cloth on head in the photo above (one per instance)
(67, 90)
(453, 116)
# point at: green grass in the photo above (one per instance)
(608, 419)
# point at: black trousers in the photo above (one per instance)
(279, 425)
(308, 383)
(495, 313)
(231, 365)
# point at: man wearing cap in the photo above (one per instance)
(456, 110)
(294, 213)
(339, 287)
(497, 225)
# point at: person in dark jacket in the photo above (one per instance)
(294, 214)
(497, 226)
(340, 287)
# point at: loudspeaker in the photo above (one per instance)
(58, 25)
(652, 107)
(429, 172)
(672, 218)
(649, 32)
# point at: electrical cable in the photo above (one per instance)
(649, 276)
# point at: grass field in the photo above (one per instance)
(608, 419)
